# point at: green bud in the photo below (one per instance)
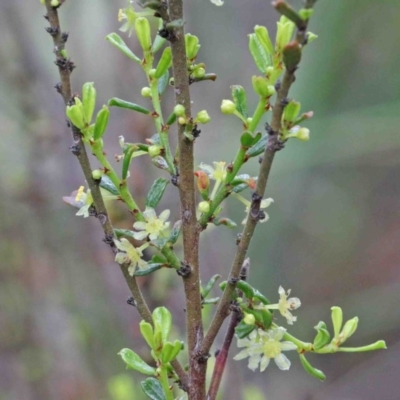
(152, 73)
(164, 64)
(146, 92)
(291, 111)
(228, 107)
(311, 37)
(292, 55)
(162, 321)
(170, 351)
(349, 328)
(199, 72)
(154, 151)
(182, 121)
(147, 332)
(202, 117)
(179, 110)
(55, 3)
(204, 207)
(142, 28)
(261, 86)
(337, 320)
(160, 162)
(306, 13)
(97, 174)
(192, 46)
(303, 134)
(75, 115)
(263, 36)
(88, 101)
(249, 319)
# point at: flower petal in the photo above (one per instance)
(254, 360)
(264, 363)
(149, 213)
(164, 215)
(282, 362)
(140, 225)
(139, 235)
(217, 2)
(242, 354)
(208, 169)
(286, 346)
(266, 202)
(277, 333)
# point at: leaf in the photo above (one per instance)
(147, 271)
(258, 148)
(133, 361)
(246, 288)
(210, 285)
(261, 58)
(162, 322)
(246, 140)
(119, 43)
(162, 84)
(243, 330)
(128, 152)
(170, 351)
(176, 230)
(116, 102)
(158, 41)
(153, 389)
(124, 232)
(310, 369)
(101, 123)
(108, 185)
(156, 192)
(239, 98)
(88, 101)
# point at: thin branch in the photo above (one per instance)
(65, 68)
(272, 147)
(197, 363)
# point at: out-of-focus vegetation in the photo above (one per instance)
(334, 231)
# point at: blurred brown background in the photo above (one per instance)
(334, 231)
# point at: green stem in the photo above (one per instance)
(170, 255)
(159, 122)
(163, 378)
(380, 344)
(299, 343)
(122, 186)
(258, 114)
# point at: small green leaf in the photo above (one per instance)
(162, 322)
(124, 232)
(323, 336)
(259, 296)
(225, 222)
(101, 123)
(243, 330)
(162, 85)
(246, 140)
(171, 119)
(263, 36)
(292, 55)
(160, 242)
(153, 389)
(164, 64)
(107, 184)
(263, 317)
(75, 115)
(119, 43)
(156, 192)
(240, 100)
(170, 351)
(258, 148)
(88, 101)
(246, 288)
(147, 332)
(210, 285)
(261, 58)
(310, 369)
(158, 259)
(158, 41)
(128, 153)
(133, 361)
(176, 230)
(116, 102)
(148, 270)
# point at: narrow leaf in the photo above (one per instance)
(119, 43)
(133, 361)
(147, 271)
(163, 83)
(261, 58)
(240, 100)
(153, 389)
(116, 102)
(258, 148)
(107, 184)
(156, 192)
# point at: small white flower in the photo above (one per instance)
(217, 2)
(218, 172)
(153, 226)
(265, 203)
(263, 346)
(285, 305)
(130, 254)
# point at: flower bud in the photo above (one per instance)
(154, 151)
(121, 141)
(97, 174)
(303, 134)
(202, 117)
(152, 73)
(182, 121)
(142, 28)
(261, 87)
(249, 319)
(75, 115)
(199, 72)
(55, 3)
(204, 207)
(203, 184)
(179, 110)
(88, 101)
(146, 91)
(292, 55)
(228, 107)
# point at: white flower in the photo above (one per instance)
(285, 305)
(217, 2)
(262, 346)
(217, 173)
(265, 203)
(85, 200)
(130, 254)
(153, 226)
(130, 15)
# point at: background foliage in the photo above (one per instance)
(334, 229)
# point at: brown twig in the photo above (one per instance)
(65, 67)
(194, 324)
(272, 146)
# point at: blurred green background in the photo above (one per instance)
(333, 236)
